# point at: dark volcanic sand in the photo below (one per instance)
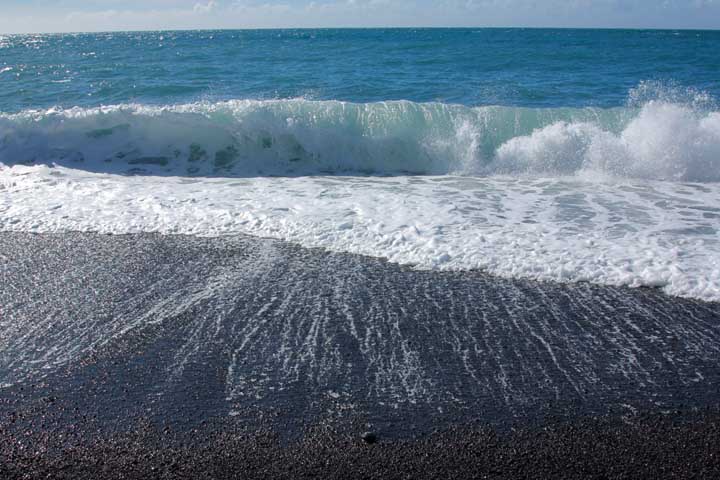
(655, 447)
(149, 356)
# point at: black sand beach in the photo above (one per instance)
(150, 356)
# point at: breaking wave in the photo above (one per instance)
(659, 139)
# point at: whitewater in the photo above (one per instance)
(614, 196)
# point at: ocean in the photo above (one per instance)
(213, 243)
(559, 155)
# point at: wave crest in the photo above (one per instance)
(664, 141)
(660, 139)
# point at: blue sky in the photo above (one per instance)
(99, 15)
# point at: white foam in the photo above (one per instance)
(635, 233)
(549, 194)
(660, 140)
(664, 141)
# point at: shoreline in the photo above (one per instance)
(227, 344)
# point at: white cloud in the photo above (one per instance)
(205, 7)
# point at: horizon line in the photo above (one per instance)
(81, 32)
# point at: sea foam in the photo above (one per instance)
(626, 196)
(664, 141)
(658, 140)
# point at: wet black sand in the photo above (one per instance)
(146, 356)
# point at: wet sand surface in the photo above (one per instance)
(164, 356)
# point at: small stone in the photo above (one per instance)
(369, 438)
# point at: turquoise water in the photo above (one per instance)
(399, 101)
(557, 155)
(508, 67)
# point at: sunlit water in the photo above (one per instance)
(442, 149)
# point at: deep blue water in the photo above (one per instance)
(510, 67)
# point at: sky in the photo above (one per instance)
(26, 16)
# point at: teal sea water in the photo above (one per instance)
(425, 101)
(472, 67)
(562, 155)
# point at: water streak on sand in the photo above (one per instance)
(281, 326)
